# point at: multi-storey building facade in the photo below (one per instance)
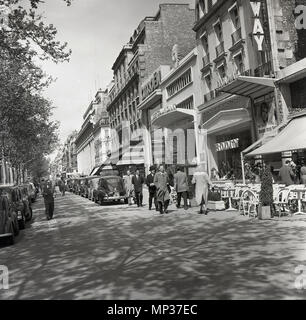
(149, 47)
(243, 45)
(69, 155)
(101, 132)
(92, 142)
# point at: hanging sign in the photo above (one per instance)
(258, 31)
(227, 145)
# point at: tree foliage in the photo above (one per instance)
(25, 114)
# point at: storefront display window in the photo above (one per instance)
(228, 149)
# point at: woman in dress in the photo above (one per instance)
(202, 183)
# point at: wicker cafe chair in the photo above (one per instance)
(238, 196)
(250, 202)
(282, 203)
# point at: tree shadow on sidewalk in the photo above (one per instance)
(96, 252)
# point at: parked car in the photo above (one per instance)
(27, 201)
(17, 204)
(8, 219)
(111, 189)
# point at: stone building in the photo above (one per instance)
(245, 46)
(69, 155)
(149, 47)
(92, 142)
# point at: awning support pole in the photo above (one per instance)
(242, 167)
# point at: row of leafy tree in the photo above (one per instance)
(27, 131)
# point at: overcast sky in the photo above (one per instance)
(95, 30)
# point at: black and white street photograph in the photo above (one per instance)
(152, 150)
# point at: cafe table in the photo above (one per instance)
(230, 195)
(299, 193)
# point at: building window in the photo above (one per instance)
(186, 104)
(204, 41)
(218, 31)
(234, 14)
(238, 59)
(222, 71)
(207, 78)
(179, 84)
(201, 8)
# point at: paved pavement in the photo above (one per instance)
(121, 252)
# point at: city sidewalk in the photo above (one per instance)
(120, 252)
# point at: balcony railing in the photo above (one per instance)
(236, 36)
(206, 60)
(220, 49)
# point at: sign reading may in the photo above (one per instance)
(258, 31)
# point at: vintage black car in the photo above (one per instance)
(27, 198)
(111, 189)
(9, 226)
(17, 204)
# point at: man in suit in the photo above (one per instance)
(161, 181)
(286, 174)
(138, 182)
(128, 183)
(48, 193)
(181, 187)
(152, 188)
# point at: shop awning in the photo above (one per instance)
(252, 87)
(293, 73)
(291, 138)
(171, 118)
(133, 156)
(152, 99)
(94, 171)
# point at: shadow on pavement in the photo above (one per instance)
(119, 252)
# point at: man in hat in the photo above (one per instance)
(152, 188)
(161, 181)
(48, 193)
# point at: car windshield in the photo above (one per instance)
(110, 183)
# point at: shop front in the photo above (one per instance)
(229, 132)
(176, 128)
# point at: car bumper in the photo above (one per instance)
(114, 198)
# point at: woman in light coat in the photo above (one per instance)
(202, 183)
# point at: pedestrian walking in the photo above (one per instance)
(138, 182)
(161, 181)
(286, 174)
(202, 183)
(48, 194)
(129, 186)
(62, 186)
(152, 188)
(181, 187)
